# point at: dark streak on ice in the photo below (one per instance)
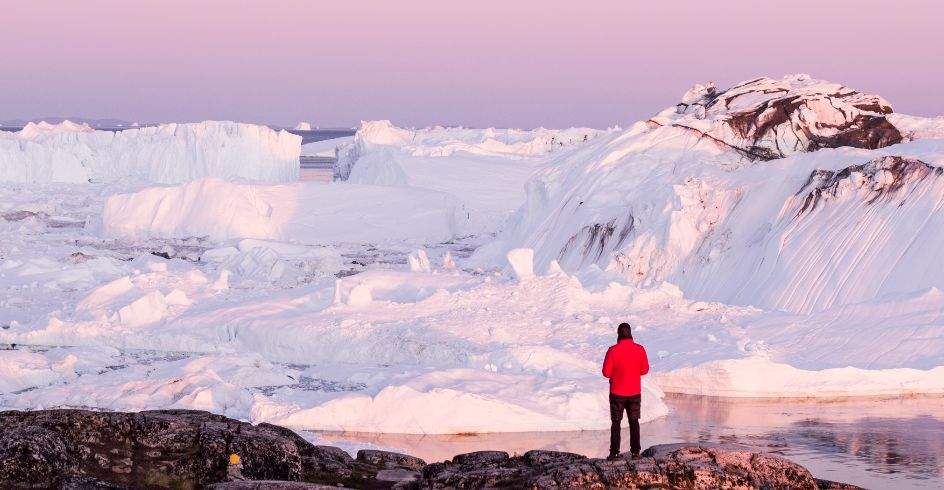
(596, 238)
(823, 184)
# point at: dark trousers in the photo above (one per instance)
(631, 405)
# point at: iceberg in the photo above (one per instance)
(793, 194)
(166, 154)
(311, 213)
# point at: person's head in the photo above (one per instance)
(624, 331)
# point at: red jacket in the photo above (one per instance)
(625, 363)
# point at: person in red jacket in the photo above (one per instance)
(625, 364)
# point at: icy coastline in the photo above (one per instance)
(775, 239)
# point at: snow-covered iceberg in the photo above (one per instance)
(374, 136)
(168, 153)
(301, 212)
(739, 197)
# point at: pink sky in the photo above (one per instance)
(519, 63)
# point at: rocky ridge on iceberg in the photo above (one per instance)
(765, 119)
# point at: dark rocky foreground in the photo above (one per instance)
(78, 449)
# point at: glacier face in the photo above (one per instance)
(795, 194)
(166, 154)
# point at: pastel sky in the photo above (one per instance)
(519, 63)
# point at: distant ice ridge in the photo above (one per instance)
(375, 136)
(167, 154)
(791, 194)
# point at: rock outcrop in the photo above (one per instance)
(171, 449)
(764, 119)
(667, 466)
(81, 449)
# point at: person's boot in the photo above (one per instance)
(613, 457)
(635, 455)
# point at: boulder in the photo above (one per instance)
(390, 460)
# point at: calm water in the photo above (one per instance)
(874, 443)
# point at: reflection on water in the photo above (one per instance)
(875, 443)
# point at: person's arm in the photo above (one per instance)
(607, 365)
(644, 362)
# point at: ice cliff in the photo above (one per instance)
(167, 154)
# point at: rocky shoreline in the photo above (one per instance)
(80, 449)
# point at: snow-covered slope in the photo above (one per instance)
(713, 210)
(169, 153)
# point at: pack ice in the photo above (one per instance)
(777, 238)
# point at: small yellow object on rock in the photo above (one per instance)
(233, 459)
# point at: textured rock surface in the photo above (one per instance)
(169, 448)
(190, 449)
(268, 485)
(669, 466)
(764, 119)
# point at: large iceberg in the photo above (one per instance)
(300, 212)
(791, 194)
(168, 153)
